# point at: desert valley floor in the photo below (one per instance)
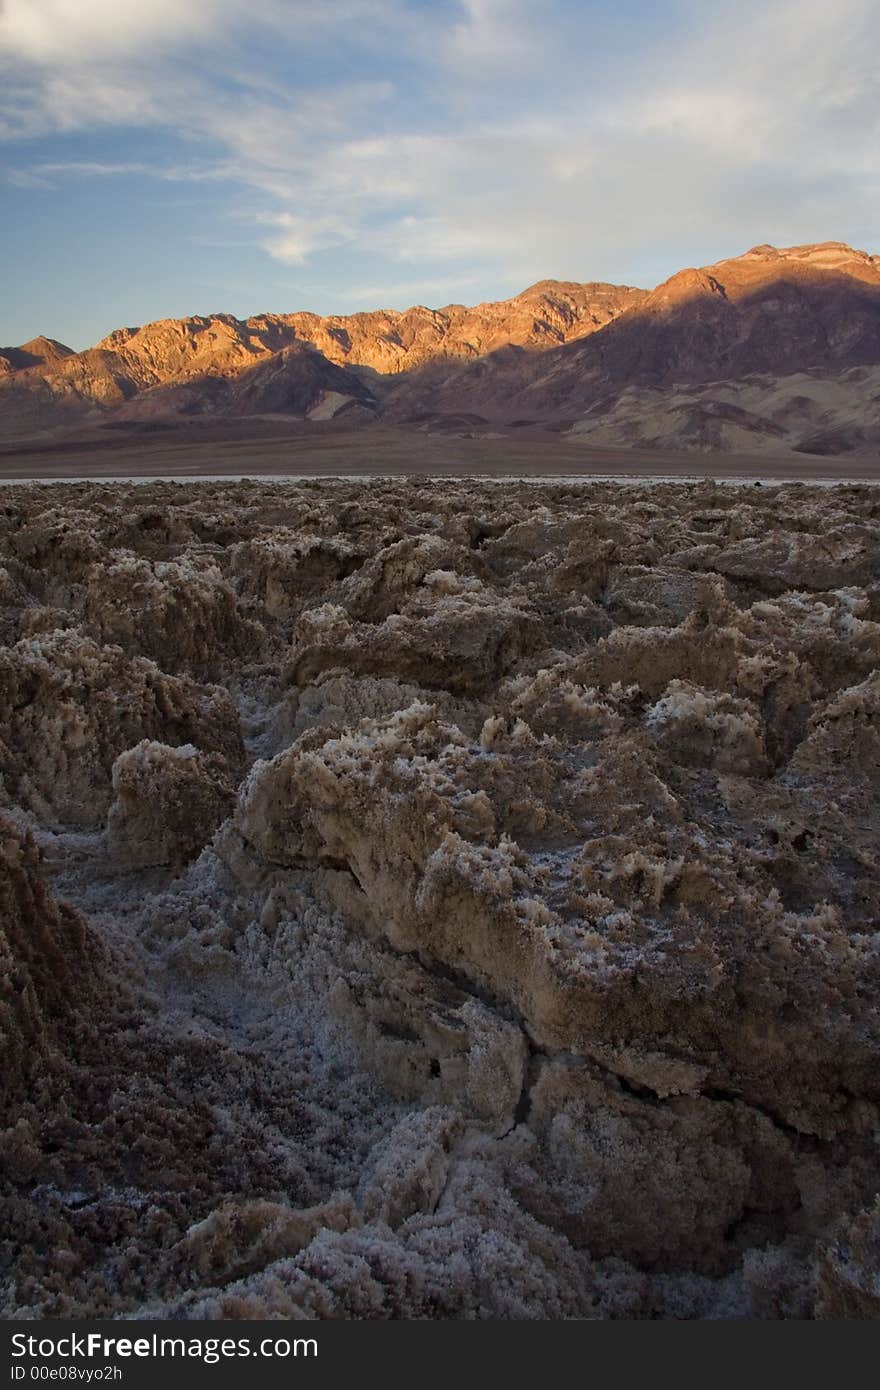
(288, 448)
(439, 899)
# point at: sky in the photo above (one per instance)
(168, 157)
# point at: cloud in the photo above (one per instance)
(469, 137)
(401, 293)
(48, 173)
(766, 82)
(496, 34)
(298, 237)
(68, 32)
(71, 32)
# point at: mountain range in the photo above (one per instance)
(771, 351)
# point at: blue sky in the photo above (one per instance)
(190, 156)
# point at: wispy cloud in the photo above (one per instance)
(396, 292)
(53, 173)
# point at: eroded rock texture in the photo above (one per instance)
(440, 900)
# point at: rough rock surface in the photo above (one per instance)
(545, 315)
(496, 936)
(171, 369)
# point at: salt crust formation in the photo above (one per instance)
(426, 900)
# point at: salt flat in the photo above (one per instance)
(439, 898)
